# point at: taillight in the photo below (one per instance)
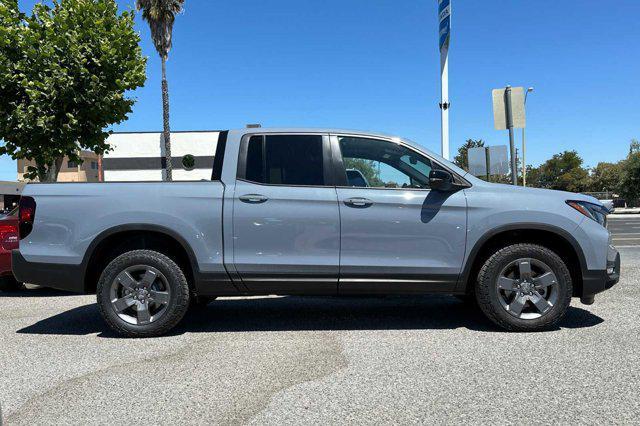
(8, 237)
(26, 215)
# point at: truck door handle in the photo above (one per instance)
(253, 198)
(358, 202)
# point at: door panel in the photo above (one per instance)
(289, 243)
(397, 235)
(405, 241)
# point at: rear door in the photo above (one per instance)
(286, 222)
(398, 236)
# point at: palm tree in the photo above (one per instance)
(160, 14)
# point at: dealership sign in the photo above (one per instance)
(444, 14)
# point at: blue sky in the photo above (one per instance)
(374, 65)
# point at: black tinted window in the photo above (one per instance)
(255, 163)
(285, 160)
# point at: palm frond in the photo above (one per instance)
(160, 14)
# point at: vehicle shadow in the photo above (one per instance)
(432, 204)
(309, 314)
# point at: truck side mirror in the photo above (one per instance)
(441, 180)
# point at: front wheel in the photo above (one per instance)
(524, 287)
(142, 293)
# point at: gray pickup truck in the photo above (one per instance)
(281, 215)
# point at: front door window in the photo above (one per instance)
(375, 163)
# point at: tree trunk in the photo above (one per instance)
(49, 173)
(42, 172)
(165, 120)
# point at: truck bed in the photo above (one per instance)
(71, 216)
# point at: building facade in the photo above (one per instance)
(87, 171)
(139, 156)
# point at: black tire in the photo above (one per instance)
(487, 294)
(9, 284)
(179, 293)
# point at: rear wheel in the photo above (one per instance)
(142, 293)
(9, 284)
(524, 287)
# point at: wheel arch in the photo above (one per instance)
(549, 236)
(121, 238)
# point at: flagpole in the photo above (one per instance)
(444, 19)
(444, 104)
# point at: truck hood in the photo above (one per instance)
(536, 192)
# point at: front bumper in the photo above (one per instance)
(594, 282)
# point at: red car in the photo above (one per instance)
(9, 238)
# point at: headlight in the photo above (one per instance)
(592, 211)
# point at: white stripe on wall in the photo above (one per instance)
(125, 145)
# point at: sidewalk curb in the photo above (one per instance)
(625, 211)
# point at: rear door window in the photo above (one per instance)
(285, 160)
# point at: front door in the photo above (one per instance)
(397, 235)
(286, 222)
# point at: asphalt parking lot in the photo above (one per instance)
(295, 360)
(625, 230)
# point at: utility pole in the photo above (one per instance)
(444, 18)
(524, 147)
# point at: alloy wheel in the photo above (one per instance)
(527, 288)
(140, 294)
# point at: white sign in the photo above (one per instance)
(477, 161)
(493, 157)
(498, 160)
(517, 108)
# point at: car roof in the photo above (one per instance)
(262, 130)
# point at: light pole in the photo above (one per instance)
(524, 149)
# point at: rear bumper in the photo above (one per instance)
(55, 275)
(5, 263)
(594, 282)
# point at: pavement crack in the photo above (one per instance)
(331, 358)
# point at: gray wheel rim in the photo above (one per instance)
(527, 288)
(140, 295)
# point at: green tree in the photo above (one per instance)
(462, 159)
(605, 177)
(161, 14)
(563, 172)
(64, 71)
(367, 167)
(533, 176)
(630, 180)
